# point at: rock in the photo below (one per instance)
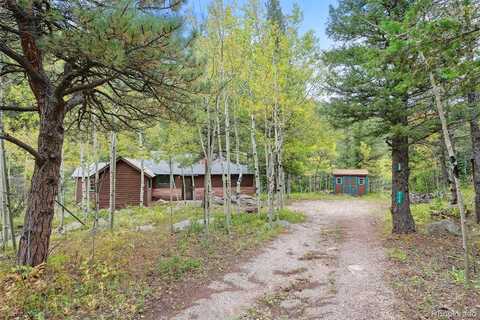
(355, 268)
(182, 225)
(186, 224)
(147, 227)
(247, 203)
(421, 197)
(443, 227)
(161, 201)
(283, 223)
(290, 303)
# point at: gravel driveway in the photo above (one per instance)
(329, 267)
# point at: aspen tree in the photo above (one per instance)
(142, 170)
(113, 173)
(255, 162)
(453, 169)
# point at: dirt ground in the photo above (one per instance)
(330, 267)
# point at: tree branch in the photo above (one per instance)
(22, 145)
(21, 61)
(74, 101)
(18, 109)
(88, 86)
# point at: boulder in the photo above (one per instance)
(283, 223)
(147, 227)
(443, 227)
(416, 197)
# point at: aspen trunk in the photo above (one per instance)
(228, 179)
(61, 192)
(255, 162)
(5, 196)
(170, 165)
(194, 195)
(224, 180)
(455, 173)
(475, 137)
(84, 179)
(113, 173)
(142, 171)
(95, 190)
(97, 174)
(184, 188)
(237, 158)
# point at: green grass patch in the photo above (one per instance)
(175, 267)
(397, 254)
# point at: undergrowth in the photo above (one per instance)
(127, 265)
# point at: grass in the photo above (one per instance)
(427, 271)
(128, 266)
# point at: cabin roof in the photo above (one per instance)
(350, 172)
(153, 168)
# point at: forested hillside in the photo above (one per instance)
(222, 119)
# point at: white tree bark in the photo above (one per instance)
(3, 191)
(454, 170)
(142, 171)
(255, 162)
(97, 174)
(61, 191)
(172, 183)
(237, 160)
(113, 172)
(84, 179)
(228, 180)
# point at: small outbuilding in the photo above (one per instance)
(350, 181)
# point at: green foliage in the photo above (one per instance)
(176, 267)
(397, 254)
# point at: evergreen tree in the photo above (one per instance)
(81, 58)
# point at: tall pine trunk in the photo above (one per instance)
(401, 215)
(37, 227)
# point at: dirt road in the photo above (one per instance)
(329, 267)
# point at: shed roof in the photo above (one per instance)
(153, 168)
(350, 172)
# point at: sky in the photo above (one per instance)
(315, 15)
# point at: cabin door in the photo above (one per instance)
(188, 189)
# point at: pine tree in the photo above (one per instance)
(104, 55)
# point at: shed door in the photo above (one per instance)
(350, 185)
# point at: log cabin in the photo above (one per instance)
(188, 181)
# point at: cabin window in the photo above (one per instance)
(162, 181)
(339, 180)
(361, 181)
(92, 185)
(149, 183)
